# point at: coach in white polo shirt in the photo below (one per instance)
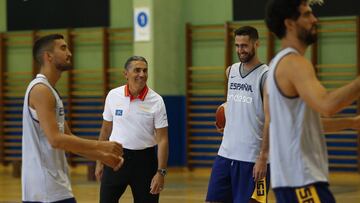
(135, 116)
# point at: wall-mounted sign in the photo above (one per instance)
(142, 31)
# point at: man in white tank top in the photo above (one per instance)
(46, 136)
(298, 154)
(239, 173)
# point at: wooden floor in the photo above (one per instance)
(181, 187)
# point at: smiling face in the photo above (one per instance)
(136, 74)
(245, 48)
(60, 55)
(306, 25)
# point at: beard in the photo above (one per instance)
(64, 66)
(249, 55)
(307, 36)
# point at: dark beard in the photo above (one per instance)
(307, 37)
(248, 58)
(64, 67)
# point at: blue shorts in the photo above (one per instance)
(232, 181)
(314, 193)
(70, 200)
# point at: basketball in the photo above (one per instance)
(220, 116)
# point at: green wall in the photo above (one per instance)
(2, 15)
(168, 27)
(121, 13)
(200, 12)
(208, 11)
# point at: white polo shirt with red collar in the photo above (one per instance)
(135, 118)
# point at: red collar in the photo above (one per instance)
(141, 95)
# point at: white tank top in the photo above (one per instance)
(244, 115)
(45, 176)
(298, 154)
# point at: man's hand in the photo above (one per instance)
(99, 170)
(111, 154)
(111, 147)
(157, 184)
(260, 169)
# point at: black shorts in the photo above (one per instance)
(139, 168)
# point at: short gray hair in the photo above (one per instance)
(134, 58)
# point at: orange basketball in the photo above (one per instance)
(220, 116)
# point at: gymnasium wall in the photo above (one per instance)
(194, 12)
(169, 74)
